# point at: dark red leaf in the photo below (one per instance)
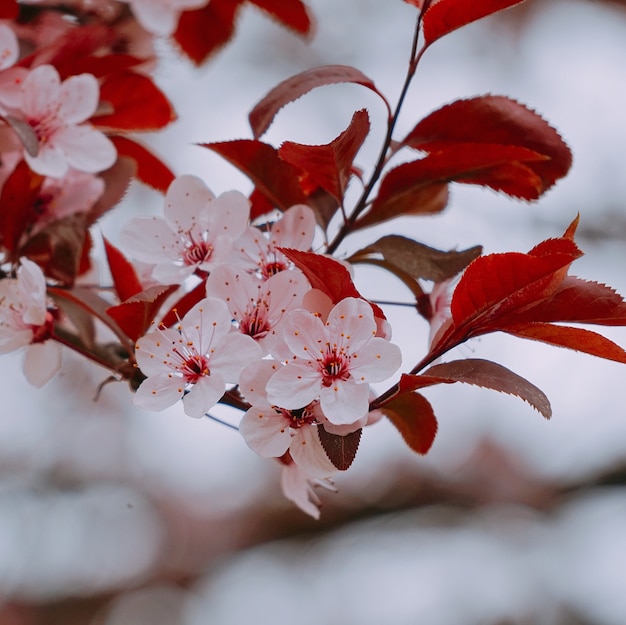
(341, 450)
(496, 121)
(578, 339)
(116, 179)
(327, 275)
(445, 16)
(8, 10)
(101, 66)
(263, 113)
(151, 170)
(414, 418)
(137, 103)
(483, 373)
(329, 166)
(123, 273)
(276, 179)
(135, 314)
(184, 304)
(17, 205)
(202, 32)
(291, 13)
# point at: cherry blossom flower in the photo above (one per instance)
(160, 17)
(197, 231)
(333, 362)
(260, 253)
(26, 322)
(271, 431)
(55, 111)
(195, 360)
(297, 486)
(258, 306)
(11, 78)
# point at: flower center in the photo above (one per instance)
(334, 365)
(272, 263)
(194, 367)
(254, 322)
(197, 252)
(299, 417)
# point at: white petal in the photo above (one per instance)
(186, 201)
(345, 401)
(86, 148)
(266, 432)
(234, 286)
(12, 338)
(293, 386)
(204, 394)
(50, 161)
(295, 229)
(158, 18)
(206, 324)
(158, 392)
(149, 239)
(78, 98)
(253, 380)
(305, 334)
(41, 90)
(154, 351)
(375, 361)
(232, 354)
(42, 361)
(353, 319)
(308, 453)
(229, 214)
(297, 488)
(9, 47)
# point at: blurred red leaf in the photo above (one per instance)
(135, 314)
(291, 13)
(533, 154)
(483, 373)
(329, 166)
(276, 179)
(291, 89)
(184, 304)
(444, 16)
(202, 32)
(151, 170)
(123, 273)
(341, 450)
(138, 104)
(414, 418)
(8, 10)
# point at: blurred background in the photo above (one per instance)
(110, 515)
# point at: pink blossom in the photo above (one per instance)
(195, 360)
(196, 233)
(9, 47)
(439, 301)
(297, 486)
(257, 306)
(26, 322)
(271, 431)
(11, 78)
(160, 17)
(333, 362)
(259, 252)
(55, 111)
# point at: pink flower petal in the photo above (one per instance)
(50, 161)
(229, 214)
(295, 229)
(153, 351)
(158, 392)
(296, 487)
(305, 334)
(186, 199)
(41, 363)
(353, 319)
(345, 401)
(86, 148)
(206, 324)
(78, 98)
(149, 239)
(307, 452)
(232, 354)
(204, 394)
(253, 380)
(266, 432)
(293, 386)
(12, 338)
(41, 89)
(375, 361)
(9, 47)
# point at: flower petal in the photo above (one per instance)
(307, 452)
(295, 229)
(186, 200)
(158, 392)
(375, 361)
(42, 361)
(204, 394)
(149, 239)
(41, 89)
(305, 334)
(78, 98)
(266, 432)
(232, 354)
(345, 401)
(293, 386)
(352, 319)
(206, 324)
(86, 148)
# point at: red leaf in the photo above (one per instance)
(122, 271)
(8, 10)
(445, 16)
(273, 177)
(138, 104)
(483, 373)
(327, 275)
(184, 304)
(203, 32)
(329, 166)
(150, 168)
(291, 13)
(496, 121)
(17, 204)
(578, 339)
(414, 418)
(116, 180)
(135, 314)
(341, 450)
(263, 113)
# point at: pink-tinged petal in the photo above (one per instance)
(345, 401)
(41, 90)
(168, 273)
(233, 286)
(160, 17)
(204, 394)
(230, 212)
(297, 488)
(187, 198)
(50, 161)
(12, 338)
(375, 361)
(86, 148)
(253, 380)
(206, 324)
(42, 362)
(32, 286)
(295, 229)
(344, 430)
(9, 47)
(266, 432)
(318, 303)
(149, 239)
(304, 333)
(78, 98)
(153, 351)
(232, 354)
(353, 320)
(293, 386)
(158, 392)
(11, 82)
(307, 452)
(76, 193)
(285, 292)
